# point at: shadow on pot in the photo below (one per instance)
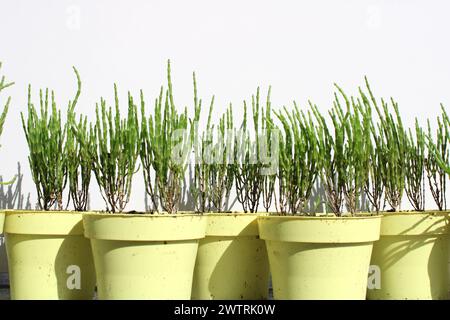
(232, 267)
(74, 266)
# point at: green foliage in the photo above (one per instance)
(113, 148)
(331, 161)
(46, 134)
(213, 171)
(442, 156)
(299, 159)
(4, 85)
(415, 168)
(393, 144)
(200, 188)
(269, 150)
(374, 186)
(166, 139)
(437, 157)
(345, 155)
(79, 164)
(221, 171)
(250, 161)
(351, 152)
(357, 152)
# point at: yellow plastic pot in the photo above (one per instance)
(411, 257)
(3, 259)
(144, 256)
(2, 220)
(231, 260)
(319, 257)
(48, 256)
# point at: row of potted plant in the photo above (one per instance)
(273, 159)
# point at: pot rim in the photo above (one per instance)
(55, 223)
(144, 227)
(324, 217)
(137, 214)
(337, 230)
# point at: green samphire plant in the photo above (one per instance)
(298, 160)
(393, 145)
(253, 161)
(46, 136)
(3, 85)
(374, 187)
(438, 154)
(442, 155)
(200, 188)
(221, 171)
(344, 155)
(79, 163)
(213, 170)
(331, 161)
(415, 167)
(166, 139)
(113, 148)
(268, 150)
(357, 154)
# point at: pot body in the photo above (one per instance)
(2, 220)
(48, 256)
(232, 260)
(3, 258)
(319, 257)
(143, 256)
(411, 257)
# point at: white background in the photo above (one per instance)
(299, 47)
